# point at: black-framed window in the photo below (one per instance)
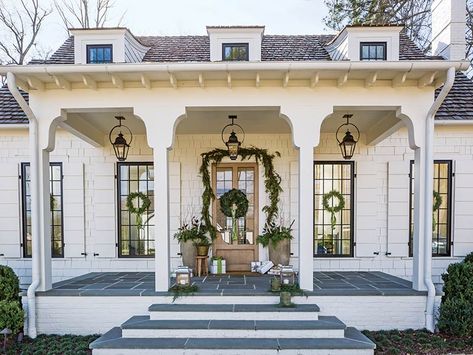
(373, 50)
(134, 241)
(235, 51)
(99, 53)
(336, 240)
(442, 217)
(56, 203)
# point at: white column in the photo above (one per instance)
(306, 216)
(44, 221)
(419, 221)
(161, 211)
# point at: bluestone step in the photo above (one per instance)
(144, 327)
(233, 311)
(112, 342)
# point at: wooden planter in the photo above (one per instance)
(188, 252)
(281, 253)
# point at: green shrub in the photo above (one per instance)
(11, 316)
(456, 310)
(456, 317)
(469, 258)
(9, 284)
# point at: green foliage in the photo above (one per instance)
(272, 181)
(234, 197)
(138, 209)
(52, 345)
(11, 316)
(274, 233)
(456, 310)
(468, 258)
(456, 317)
(9, 285)
(183, 290)
(195, 232)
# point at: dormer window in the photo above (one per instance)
(235, 51)
(373, 51)
(99, 53)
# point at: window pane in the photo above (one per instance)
(235, 51)
(136, 240)
(333, 239)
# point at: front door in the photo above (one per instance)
(238, 252)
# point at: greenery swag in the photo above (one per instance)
(331, 207)
(138, 209)
(272, 181)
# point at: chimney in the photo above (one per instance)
(448, 28)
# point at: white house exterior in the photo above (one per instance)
(290, 94)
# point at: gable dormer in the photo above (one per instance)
(235, 43)
(359, 42)
(106, 45)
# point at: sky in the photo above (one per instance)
(183, 17)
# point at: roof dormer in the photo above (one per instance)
(106, 45)
(235, 43)
(366, 42)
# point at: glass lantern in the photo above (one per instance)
(287, 275)
(183, 276)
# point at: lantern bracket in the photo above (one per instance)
(347, 125)
(233, 124)
(118, 126)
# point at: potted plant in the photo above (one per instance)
(193, 240)
(277, 238)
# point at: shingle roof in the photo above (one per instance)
(458, 104)
(176, 48)
(10, 112)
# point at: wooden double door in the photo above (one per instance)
(238, 251)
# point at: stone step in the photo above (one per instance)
(144, 327)
(233, 312)
(352, 343)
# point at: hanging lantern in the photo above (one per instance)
(120, 145)
(233, 144)
(348, 143)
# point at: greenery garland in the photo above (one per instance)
(272, 181)
(139, 210)
(332, 209)
(437, 203)
(234, 197)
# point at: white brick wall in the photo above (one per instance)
(90, 213)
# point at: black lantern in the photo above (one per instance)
(348, 143)
(233, 144)
(120, 144)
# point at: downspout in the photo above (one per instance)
(429, 186)
(34, 173)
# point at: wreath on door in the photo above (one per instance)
(138, 209)
(331, 207)
(234, 204)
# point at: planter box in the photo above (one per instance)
(214, 269)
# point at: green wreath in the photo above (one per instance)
(334, 208)
(234, 197)
(138, 210)
(437, 203)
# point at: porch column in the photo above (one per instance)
(306, 216)
(161, 211)
(44, 217)
(419, 220)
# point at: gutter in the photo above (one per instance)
(34, 172)
(429, 186)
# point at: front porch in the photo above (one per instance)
(332, 283)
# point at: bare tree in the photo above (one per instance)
(20, 25)
(86, 13)
(413, 14)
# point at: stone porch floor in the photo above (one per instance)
(336, 283)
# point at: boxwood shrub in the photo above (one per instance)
(456, 310)
(11, 316)
(9, 284)
(469, 258)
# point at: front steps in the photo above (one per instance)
(232, 329)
